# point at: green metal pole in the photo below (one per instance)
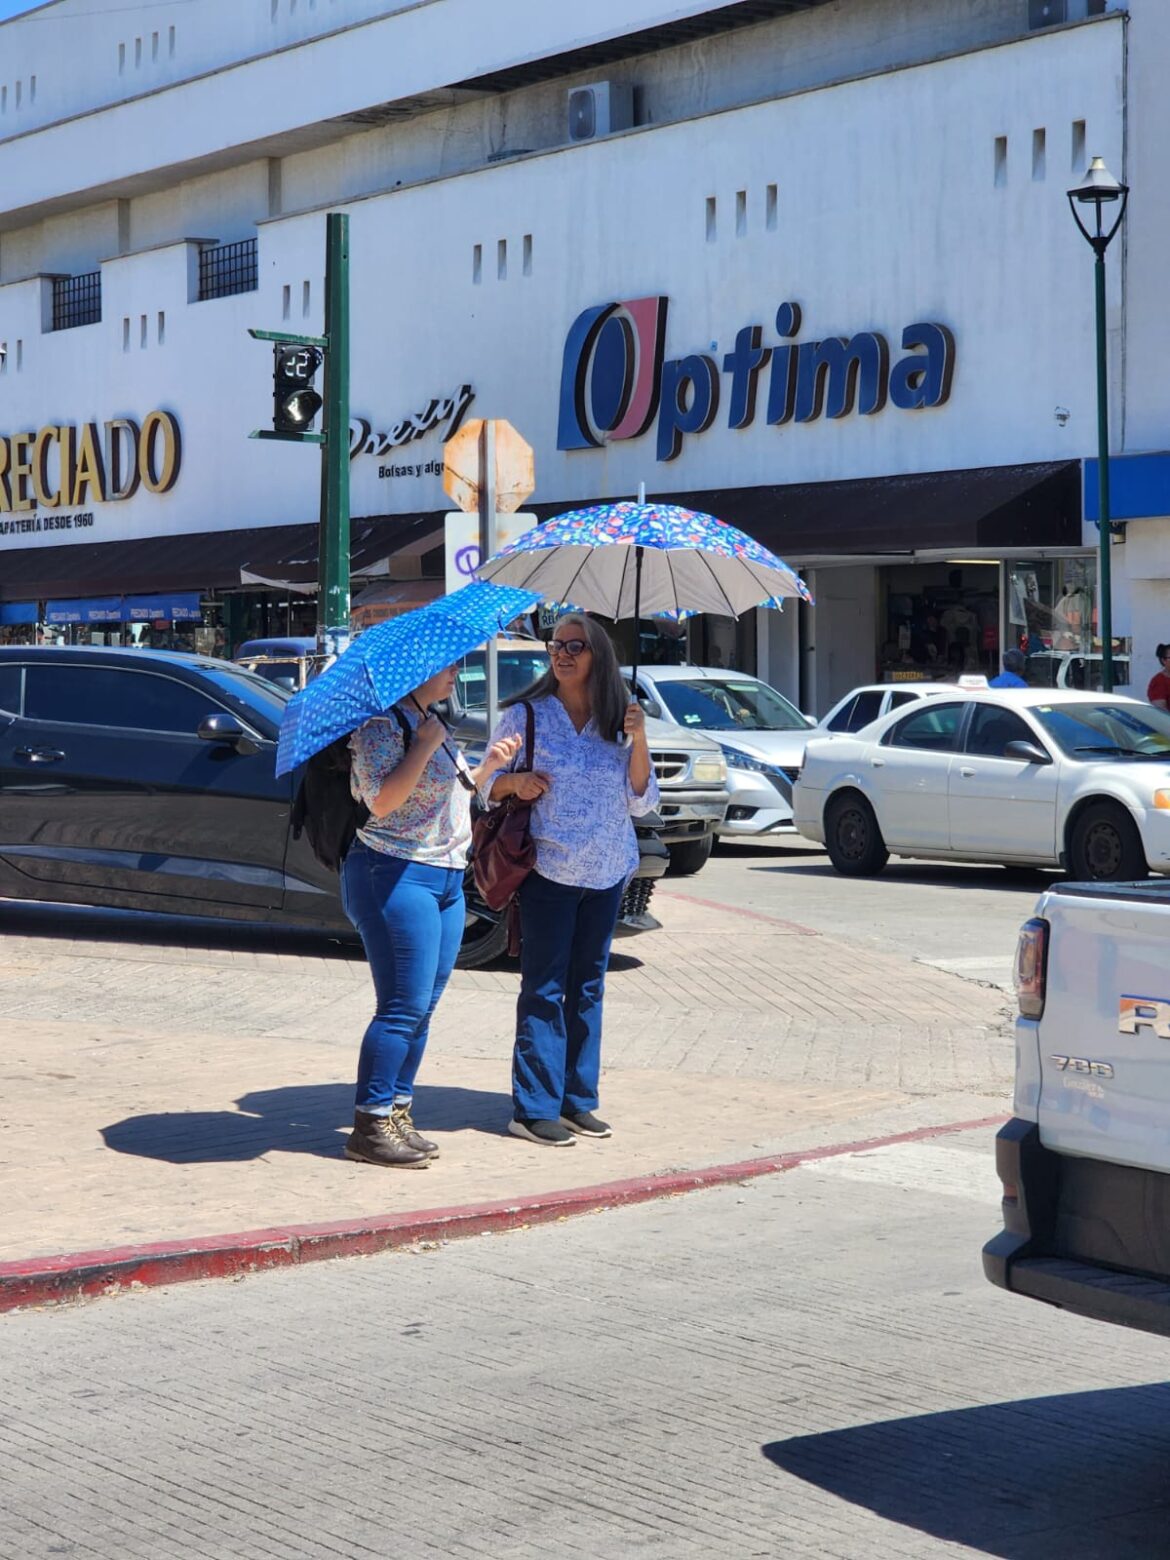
(333, 566)
(1105, 531)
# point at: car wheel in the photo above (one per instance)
(852, 836)
(686, 860)
(483, 942)
(1105, 846)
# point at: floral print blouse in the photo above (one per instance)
(433, 825)
(581, 826)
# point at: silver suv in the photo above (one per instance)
(691, 769)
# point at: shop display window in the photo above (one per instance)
(941, 622)
(1051, 614)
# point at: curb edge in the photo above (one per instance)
(40, 1281)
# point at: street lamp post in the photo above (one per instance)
(1100, 189)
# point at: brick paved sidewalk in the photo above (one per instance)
(155, 1092)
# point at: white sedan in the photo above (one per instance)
(1027, 776)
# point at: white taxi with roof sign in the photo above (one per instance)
(1022, 776)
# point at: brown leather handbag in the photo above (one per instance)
(502, 850)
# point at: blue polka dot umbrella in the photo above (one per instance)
(645, 560)
(390, 659)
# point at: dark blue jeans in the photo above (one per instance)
(410, 918)
(567, 933)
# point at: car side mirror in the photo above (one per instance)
(226, 731)
(1027, 753)
(810, 720)
(650, 707)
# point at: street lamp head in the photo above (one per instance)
(1098, 190)
(1099, 185)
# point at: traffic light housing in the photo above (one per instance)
(295, 403)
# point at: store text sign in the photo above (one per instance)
(616, 379)
(67, 465)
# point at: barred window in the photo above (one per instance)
(225, 269)
(77, 300)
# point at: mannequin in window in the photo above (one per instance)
(1070, 619)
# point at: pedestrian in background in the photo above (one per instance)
(1014, 662)
(402, 887)
(591, 773)
(1158, 693)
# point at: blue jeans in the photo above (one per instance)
(566, 937)
(410, 919)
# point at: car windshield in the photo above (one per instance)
(255, 698)
(519, 669)
(1106, 730)
(729, 704)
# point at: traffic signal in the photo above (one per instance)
(294, 401)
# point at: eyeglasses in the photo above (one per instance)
(573, 647)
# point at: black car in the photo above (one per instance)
(145, 780)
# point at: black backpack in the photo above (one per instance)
(325, 809)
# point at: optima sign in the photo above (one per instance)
(67, 466)
(616, 379)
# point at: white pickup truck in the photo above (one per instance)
(1085, 1163)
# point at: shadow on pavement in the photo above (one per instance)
(940, 875)
(1081, 1476)
(23, 918)
(299, 1119)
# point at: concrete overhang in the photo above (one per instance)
(376, 72)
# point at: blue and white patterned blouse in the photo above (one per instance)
(433, 825)
(581, 825)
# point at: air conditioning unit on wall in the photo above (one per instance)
(600, 109)
(1048, 13)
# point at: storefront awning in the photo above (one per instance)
(1035, 505)
(201, 560)
(14, 612)
(373, 544)
(106, 609)
(181, 608)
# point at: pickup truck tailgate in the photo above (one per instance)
(1104, 1036)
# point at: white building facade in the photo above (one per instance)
(806, 265)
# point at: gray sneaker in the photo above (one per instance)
(378, 1140)
(549, 1134)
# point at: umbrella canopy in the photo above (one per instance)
(389, 660)
(639, 559)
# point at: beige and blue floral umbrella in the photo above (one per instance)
(645, 560)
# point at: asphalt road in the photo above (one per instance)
(960, 918)
(809, 1365)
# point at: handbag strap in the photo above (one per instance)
(529, 734)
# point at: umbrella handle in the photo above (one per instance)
(638, 552)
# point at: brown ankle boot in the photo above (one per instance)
(405, 1122)
(378, 1140)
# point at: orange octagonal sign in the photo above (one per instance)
(464, 476)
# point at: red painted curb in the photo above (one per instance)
(76, 1275)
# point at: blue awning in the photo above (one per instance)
(1139, 487)
(107, 609)
(174, 607)
(17, 612)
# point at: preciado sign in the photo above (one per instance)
(69, 465)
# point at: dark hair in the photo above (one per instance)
(1162, 650)
(608, 693)
(1014, 661)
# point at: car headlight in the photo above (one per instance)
(738, 760)
(709, 770)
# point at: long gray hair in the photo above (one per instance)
(608, 693)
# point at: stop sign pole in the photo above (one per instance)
(487, 548)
